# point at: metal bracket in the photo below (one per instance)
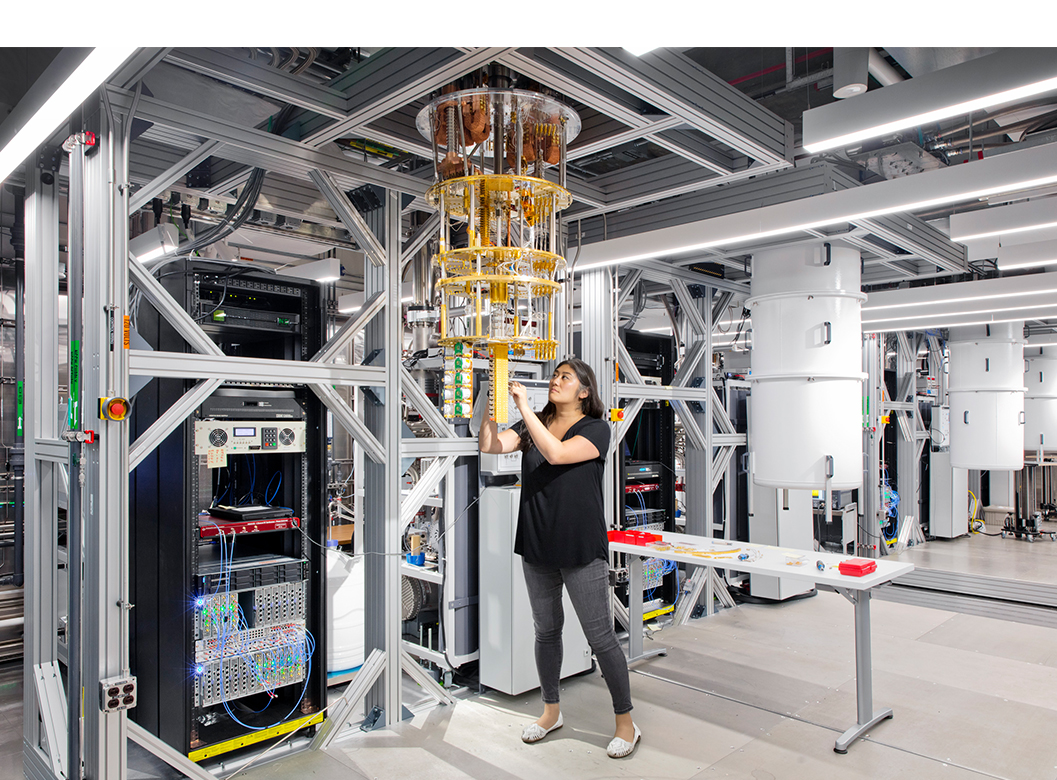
(468, 601)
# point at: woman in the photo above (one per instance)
(561, 536)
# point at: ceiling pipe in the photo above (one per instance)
(885, 74)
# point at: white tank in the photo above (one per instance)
(345, 611)
(1040, 402)
(805, 418)
(986, 391)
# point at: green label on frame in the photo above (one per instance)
(74, 415)
(19, 404)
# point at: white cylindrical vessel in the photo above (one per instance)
(345, 611)
(1040, 402)
(805, 419)
(986, 392)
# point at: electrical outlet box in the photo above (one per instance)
(117, 693)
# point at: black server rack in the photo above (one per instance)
(227, 567)
(645, 460)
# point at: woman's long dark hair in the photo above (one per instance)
(591, 406)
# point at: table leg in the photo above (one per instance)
(867, 718)
(635, 651)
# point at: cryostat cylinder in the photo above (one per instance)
(805, 416)
(986, 392)
(1040, 402)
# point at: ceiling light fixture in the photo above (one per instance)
(1035, 255)
(1004, 220)
(64, 98)
(1006, 76)
(638, 51)
(1022, 169)
(984, 301)
(326, 270)
(159, 240)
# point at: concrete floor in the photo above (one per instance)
(759, 692)
(991, 556)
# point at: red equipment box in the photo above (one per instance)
(213, 527)
(857, 567)
(633, 537)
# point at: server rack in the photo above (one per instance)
(645, 460)
(221, 661)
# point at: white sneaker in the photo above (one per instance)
(620, 748)
(534, 732)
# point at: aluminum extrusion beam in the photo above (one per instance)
(262, 80)
(692, 183)
(340, 340)
(688, 366)
(627, 286)
(676, 84)
(151, 190)
(693, 430)
(657, 271)
(777, 187)
(630, 413)
(174, 314)
(413, 501)
(704, 156)
(686, 300)
(393, 78)
(348, 419)
(170, 420)
(418, 399)
(655, 128)
(349, 216)
(166, 753)
(265, 149)
(628, 367)
(45, 453)
(53, 450)
(179, 364)
(418, 241)
(431, 448)
(105, 632)
(137, 66)
(662, 392)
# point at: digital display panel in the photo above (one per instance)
(245, 431)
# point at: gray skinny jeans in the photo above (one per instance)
(588, 588)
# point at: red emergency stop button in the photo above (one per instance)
(115, 409)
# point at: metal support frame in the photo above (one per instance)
(105, 374)
(381, 526)
(349, 216)
(173, 758)
(344, 707)
(873, 434)
(867, 718)
(597, 347)
(43, 724)
(913, 436)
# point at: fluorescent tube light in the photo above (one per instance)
(1004, 220)
(96, 68)
(1022, 169)
(1035, 255)
(1006, 76)
(326, 270)
(159, 240)
(638, 51)
(963, 303)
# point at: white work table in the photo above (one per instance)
(775, 561)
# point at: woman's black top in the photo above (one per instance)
(561, 520)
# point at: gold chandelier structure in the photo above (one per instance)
(499, 254)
